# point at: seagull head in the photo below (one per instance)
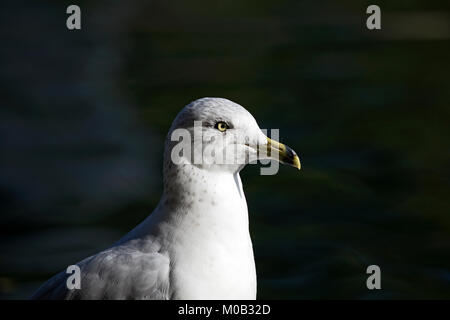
(218, 134)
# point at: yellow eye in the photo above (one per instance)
(221, 126)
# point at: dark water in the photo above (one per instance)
(84, 114)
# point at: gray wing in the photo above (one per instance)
(134, 270)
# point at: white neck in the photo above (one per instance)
(204, 216)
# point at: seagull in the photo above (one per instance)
(196, 244)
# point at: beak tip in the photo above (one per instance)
(297, 163)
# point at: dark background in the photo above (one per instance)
(84, 115)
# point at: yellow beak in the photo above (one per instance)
(282, 153)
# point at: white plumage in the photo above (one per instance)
(196, 243)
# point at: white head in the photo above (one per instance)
(218, 134)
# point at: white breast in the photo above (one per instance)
(209, 244)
